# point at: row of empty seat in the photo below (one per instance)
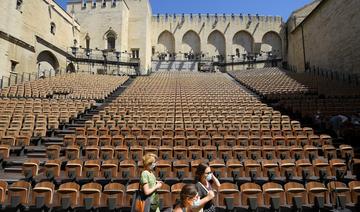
(261, 157)
(272, 83)
(33, 117)
(229, 196)
(74, 86)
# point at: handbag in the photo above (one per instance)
(141, 202)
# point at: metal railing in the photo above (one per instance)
(19, 78)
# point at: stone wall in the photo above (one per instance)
(218, 34)
(328, 39)
(25, 34)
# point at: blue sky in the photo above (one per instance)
(262, 7)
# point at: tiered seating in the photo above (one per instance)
(21, 118)
(91, 195)
(272, 83)
(261, 157)
(308, 106)
(300, 93)
(73, 86)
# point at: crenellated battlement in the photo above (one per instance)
(215, 18)
(92, 4)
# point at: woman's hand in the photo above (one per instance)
(159, 184)
(210, 195)
(215, 181)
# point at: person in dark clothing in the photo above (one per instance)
(206, 183)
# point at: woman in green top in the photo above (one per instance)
(148, 181)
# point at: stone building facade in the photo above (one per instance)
(35, 36)
(323, 37)
(38, 36)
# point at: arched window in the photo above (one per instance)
(87, 40)
(111, 38)
(84, 4)
(75, 42)
(52, 28)
(238, 52)
(19, 4)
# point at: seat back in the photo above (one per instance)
(90, 195)
(317, 193)
(339, 194)
(73, 169)
(52, 168)
(67, 195)
(30, 168)
(218, 167)
(43, 194)
(19, 193)
(296, 194)
(165, 197)
(175, 193)
(163, 169)
(91, 169)
(3, 190)
(274, 195)
(53, 152)
(235, 169)
(304, 168)
(109, 169)
(113, 195)
(181, 169)
(355, 192)
(251, 196)
(252, 169)
(229, 196)
(127, 169)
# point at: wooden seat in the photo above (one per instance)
(252, 169)
(304, 169)
(30, 168)
(322, 169)
(19, 194)
(4, 152)
(109, 169)
(355, 192)
(107, 152)
(67, 195)
(52, 168)
(229, 196)
(163, 169)
(113, 195)
(43, 194)
(73, 168)
(195, 152)
(317, 193)
(91, 169)
(121, 153)
(90, 195)
(274, 195)
(296, 195)
(270, 169)
(175, 191)
(181, 169)
(219, 168)
(338, 168)
(72, 152)
(251, 196)
(53, 152)
(165, 197)
(339, 194)
(127, 169)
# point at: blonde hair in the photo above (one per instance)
(148, 159)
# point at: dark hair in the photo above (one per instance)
(188, 191)
(200, 171)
